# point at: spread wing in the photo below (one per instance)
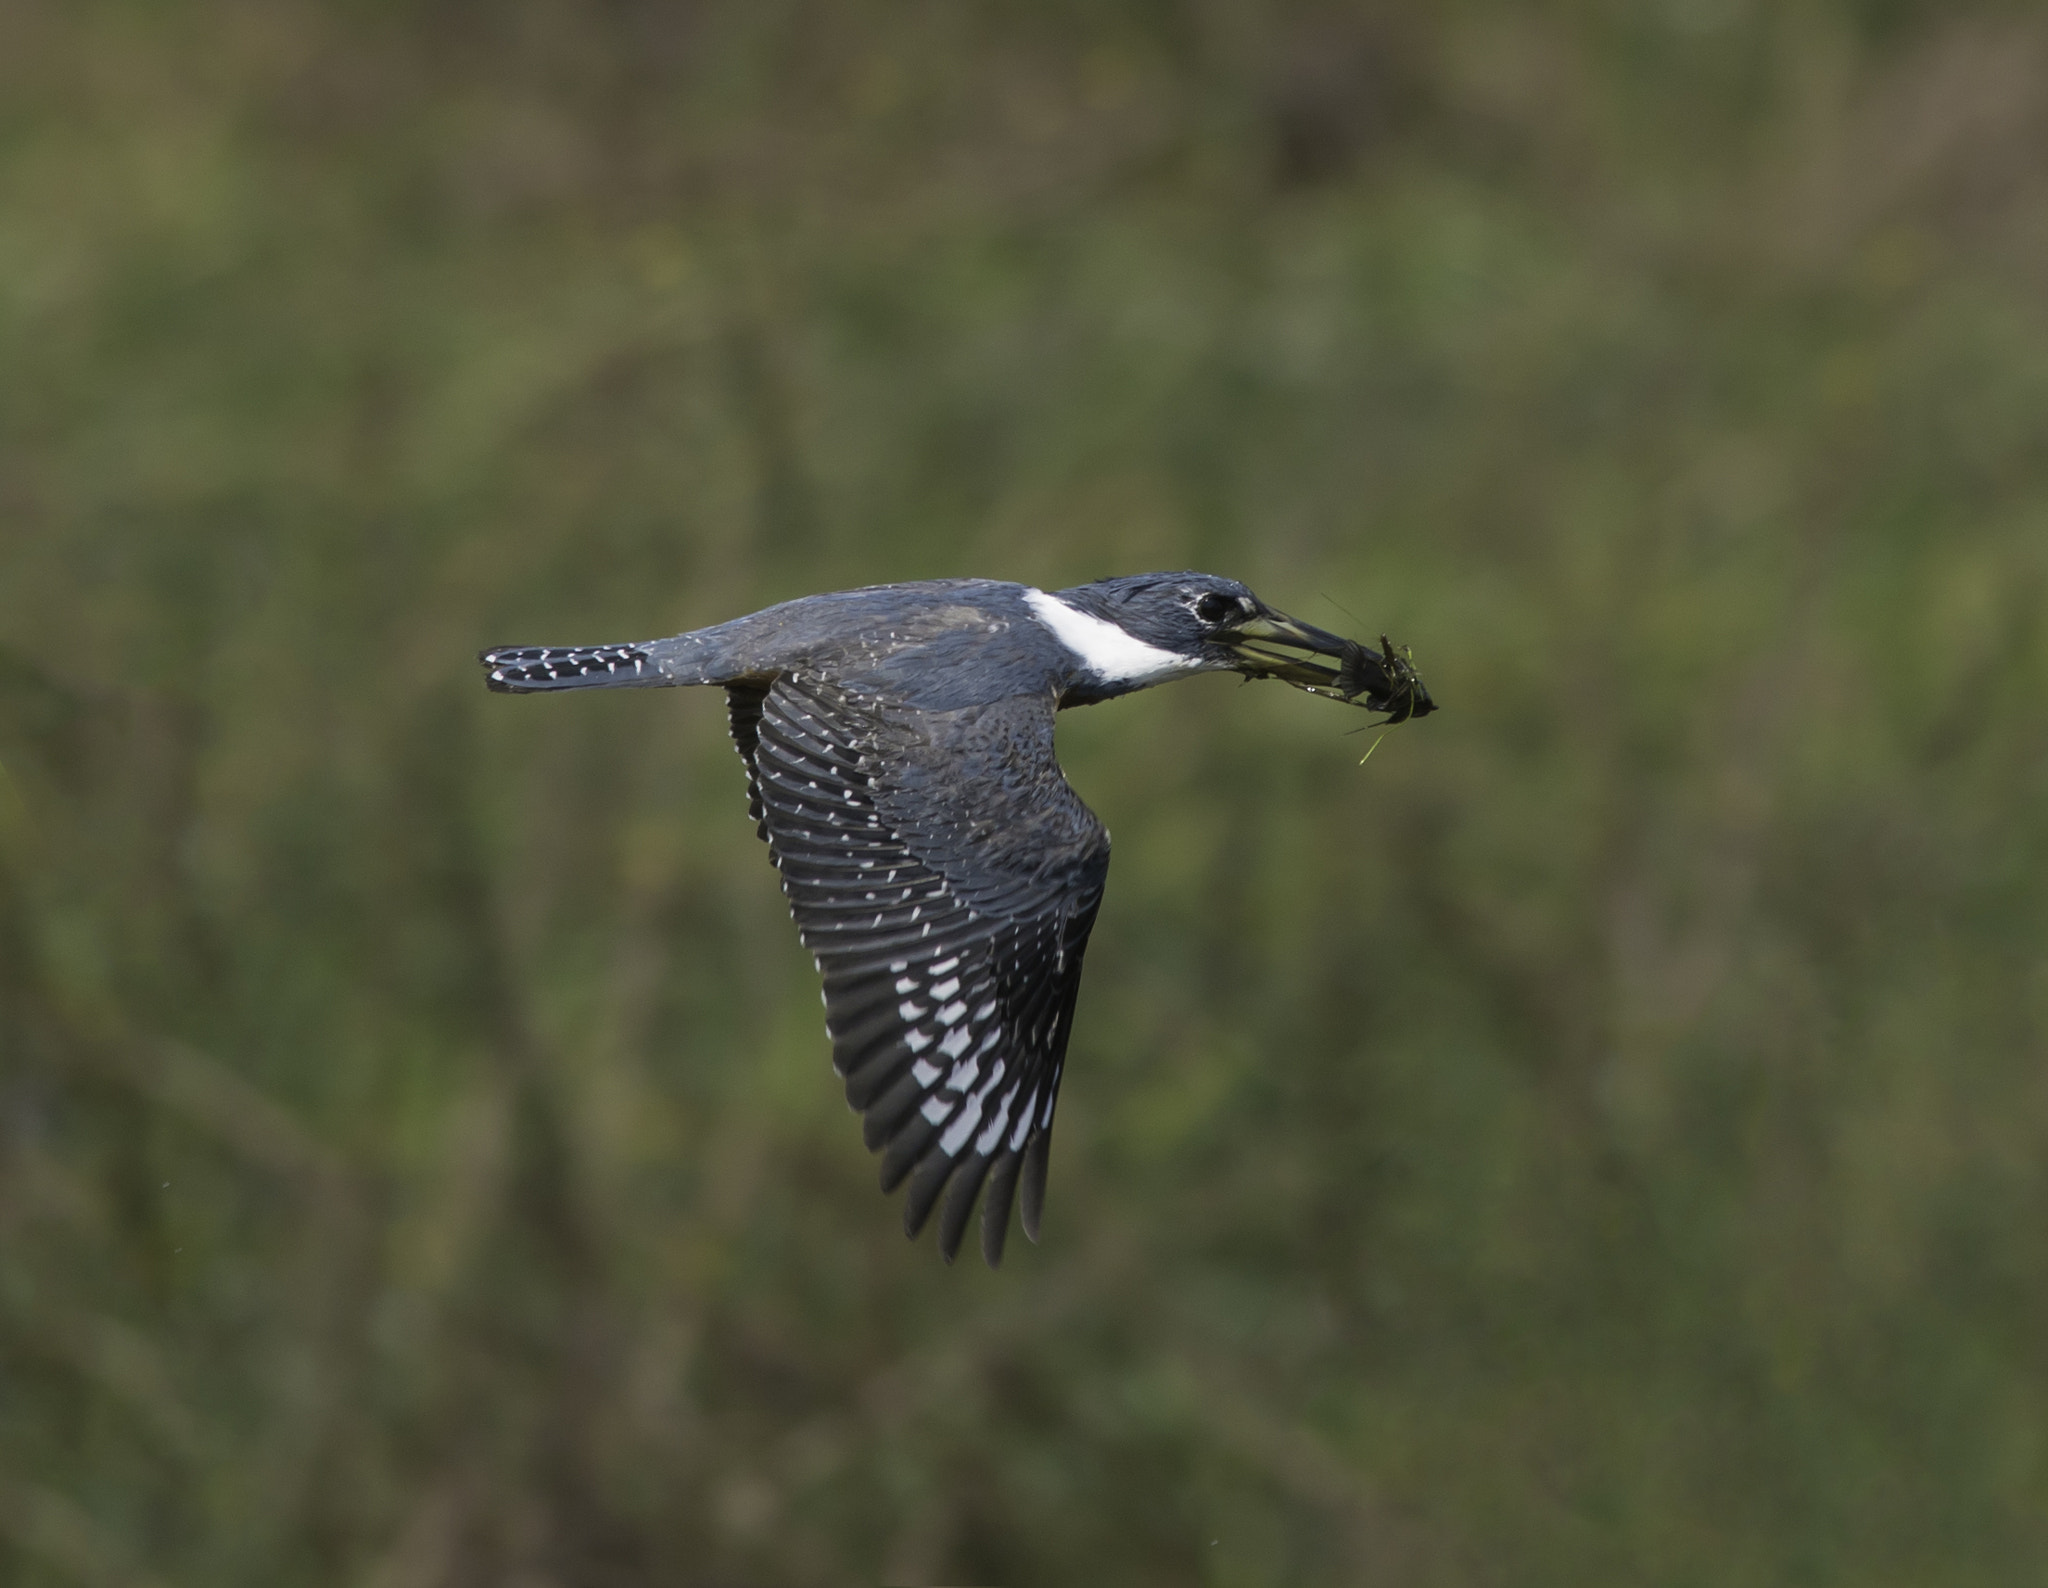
(945, 878)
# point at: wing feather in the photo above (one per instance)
(945, 878)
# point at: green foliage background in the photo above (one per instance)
(1602, 1140)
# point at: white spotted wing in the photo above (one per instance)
(945, 878)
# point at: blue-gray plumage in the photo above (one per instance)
(899, 750)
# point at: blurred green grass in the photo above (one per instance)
(1600, 1140)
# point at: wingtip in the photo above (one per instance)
(968, 1177)
(1031, 1201)
(996, 1202)
(927, 1180)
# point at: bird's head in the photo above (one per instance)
(1199, 622)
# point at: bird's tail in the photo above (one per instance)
(525, 669)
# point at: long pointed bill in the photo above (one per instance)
(1273, 645)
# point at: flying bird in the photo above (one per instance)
(898, 742)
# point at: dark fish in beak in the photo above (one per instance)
(1273, 645)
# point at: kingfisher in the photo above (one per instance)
(898, 743)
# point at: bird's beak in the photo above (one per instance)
(1273, 645)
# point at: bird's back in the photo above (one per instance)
(937, 645)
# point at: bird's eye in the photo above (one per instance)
(1214, 608)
